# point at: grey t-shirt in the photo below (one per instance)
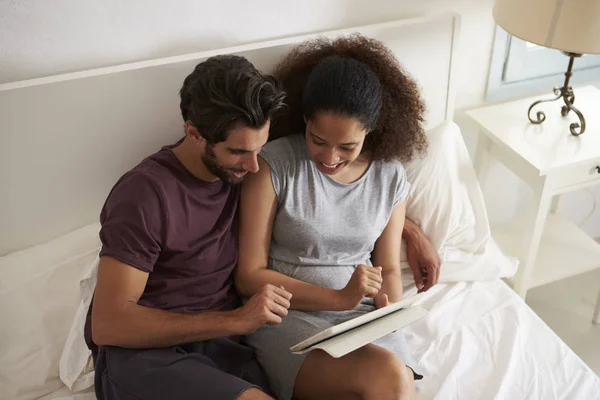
(321, 222)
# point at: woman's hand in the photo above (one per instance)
(381, 300)
(365, 282)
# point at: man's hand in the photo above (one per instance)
(364, 282)
(424, 262)
(269, 306)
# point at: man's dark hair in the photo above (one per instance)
(227, 91)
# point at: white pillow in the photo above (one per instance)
(39, 295)
(446, 201)
(76, 362)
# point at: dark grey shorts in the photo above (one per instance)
(219, 369)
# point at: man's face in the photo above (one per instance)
(232, 159)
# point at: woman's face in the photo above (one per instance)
(334, 141)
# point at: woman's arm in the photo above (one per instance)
(258, 205)
(386, 254)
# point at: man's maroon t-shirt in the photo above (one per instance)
(161, 219)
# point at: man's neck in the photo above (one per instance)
(191, 159)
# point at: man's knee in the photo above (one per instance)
(254, 394)
(386, 377)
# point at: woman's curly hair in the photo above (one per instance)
(398, 132)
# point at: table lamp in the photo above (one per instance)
(571, 26)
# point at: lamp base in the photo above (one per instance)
(566, 93)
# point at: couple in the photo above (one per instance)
(310, 239)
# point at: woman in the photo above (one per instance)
(324, 216)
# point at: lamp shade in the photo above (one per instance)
(568, 25)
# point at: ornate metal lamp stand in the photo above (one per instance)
(566, 92)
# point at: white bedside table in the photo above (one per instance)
(552, 162)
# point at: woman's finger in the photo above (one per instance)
(374, 276)
(381, 301)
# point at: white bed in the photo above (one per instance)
(481, 341)
(66, 139)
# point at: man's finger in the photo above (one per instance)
(436, 277)
(416, 269)
(277, 309)
(418, 278)
(282, 292)
(431, 276)
(282, 301)
(274, 320)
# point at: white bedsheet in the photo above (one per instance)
(480, 341)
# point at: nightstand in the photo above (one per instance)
(552, 162)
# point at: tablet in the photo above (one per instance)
(353, 323)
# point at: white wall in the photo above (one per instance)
(41, 38)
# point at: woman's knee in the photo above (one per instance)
(385, 377)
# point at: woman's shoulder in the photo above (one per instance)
(389, 168)
(287, 148)
(286, 142)
(391, 174)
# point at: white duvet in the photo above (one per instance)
(480, 341)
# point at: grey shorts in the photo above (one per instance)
(218, 369)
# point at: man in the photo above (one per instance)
(165, 320)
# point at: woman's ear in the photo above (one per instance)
(305, 120)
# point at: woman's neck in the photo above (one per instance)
(354, 171)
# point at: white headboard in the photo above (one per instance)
(66, 139)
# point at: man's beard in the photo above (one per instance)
(209, 159)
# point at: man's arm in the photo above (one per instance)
(118, 320)
(411, 231)
(422, 255)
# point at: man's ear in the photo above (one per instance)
(192, 132)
